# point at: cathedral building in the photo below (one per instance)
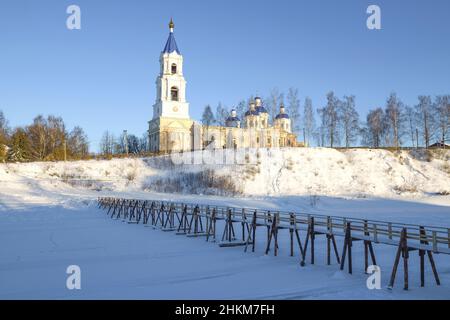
(172, 129)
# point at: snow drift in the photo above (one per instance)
(302, 171)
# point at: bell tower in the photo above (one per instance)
(170, 83)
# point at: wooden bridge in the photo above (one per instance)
(195, 220)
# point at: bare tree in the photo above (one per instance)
(143, 142)
(78, 144)
(410, 118)
(4, 136)
(39, 137)
(107, 143)
(330, 119)
(425, 118)
(349, 119)
(442, 110)
(321, 130)
(394, 120)
(308, 120)
(134, 146)
(221, 114)
(241, 108)
(375, 127)
(273, 102)
(4, 128)
(293, 104)
(57, 138)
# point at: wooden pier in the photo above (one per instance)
(240, 224)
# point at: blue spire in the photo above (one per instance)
(171, 44)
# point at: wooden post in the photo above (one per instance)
(328, 240)
(212, 226)
(251, 234)
(243, 217)
(313, 236)
(347, 248)
(403, 252)
(423, 240)
(254, 230)
(422, 257)
(228, 232)
(272, 235)
(291, 232)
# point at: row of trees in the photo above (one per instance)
(125, 144)
(339, 124)
(46, 139)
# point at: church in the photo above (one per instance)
(172, 129)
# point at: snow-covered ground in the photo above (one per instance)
(49, 220)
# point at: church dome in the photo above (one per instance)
(233, 116)
(282, 114)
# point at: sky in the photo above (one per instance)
(102, 77)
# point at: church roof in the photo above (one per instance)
(252, 113)
(282, 116)
(171, 45)
(261, 109)
(233, 119)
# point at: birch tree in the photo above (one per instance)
(78, 145)
(425, 118)
(330, 119)
(394, 120)
(350, 120)
(221, 114)
(293, 104)
(308, 120)
(107, 143)
(274, 101)
(375, 127)
(410, 124)
(442, 110)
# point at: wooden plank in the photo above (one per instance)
(232, 244)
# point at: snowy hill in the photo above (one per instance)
(304, 172)
(49, 219)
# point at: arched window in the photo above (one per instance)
(174, 68)
(174, 93)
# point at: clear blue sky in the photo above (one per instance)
(103, 76)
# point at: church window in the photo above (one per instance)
(174, 68)
(257, 139)
(174, 93)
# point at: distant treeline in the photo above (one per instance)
(338, 123)
(45, 139)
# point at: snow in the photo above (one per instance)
(49, 220)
